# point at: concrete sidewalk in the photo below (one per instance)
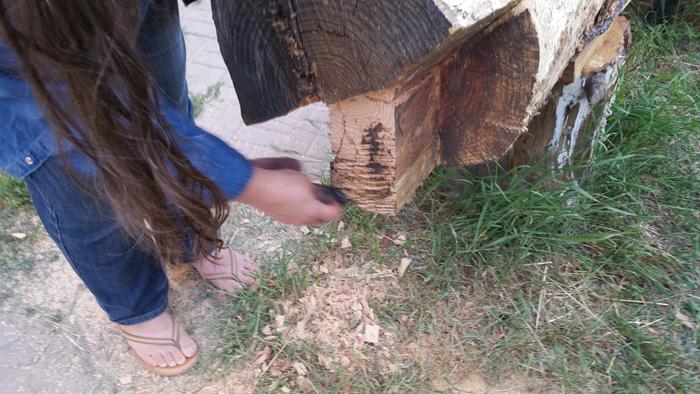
(302, 134)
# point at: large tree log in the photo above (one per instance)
(411, 84)
(286, 53)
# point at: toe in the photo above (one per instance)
(178, 357)
(251, 268)
(152, 360)
(250, 264)
(170, 358)
(247, 271)
(189, 348)
(162, 362)
(246, 279)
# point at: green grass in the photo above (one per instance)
(251, 310)
(15, 216)
(621, 261)
(13, 193)
(199, 100)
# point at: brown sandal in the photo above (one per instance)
(233, 275)
(174, 341)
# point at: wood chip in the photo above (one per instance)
(345, 243)
(324, 361)
(262, 356)
(19, 235)
(372, 333)
(300, 368)
(275, 371)
(403, 266)
(305, 230)
(305, 385)
(341, 225)
(400, 240)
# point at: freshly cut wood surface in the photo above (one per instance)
(387, 143)
(601, 51)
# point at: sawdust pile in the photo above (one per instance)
(338, 324)
(338, 319)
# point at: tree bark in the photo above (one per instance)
(286, 53)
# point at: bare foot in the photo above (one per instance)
(165, 354)
(229, 271)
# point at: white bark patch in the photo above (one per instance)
(466, 13)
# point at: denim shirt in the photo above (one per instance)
(27, 140)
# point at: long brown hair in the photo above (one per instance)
(113, 117)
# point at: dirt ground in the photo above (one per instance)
(55, 338)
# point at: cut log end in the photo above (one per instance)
(386, 142)
(488, 87)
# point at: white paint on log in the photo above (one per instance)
(572, 95)
(561, 26)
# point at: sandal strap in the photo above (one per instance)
(174, 339)
(230, 275)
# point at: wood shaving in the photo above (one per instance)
(340, 318)
(372, 334)
(300, 368)
(262, 356)
(403, 266)
(305, 385)
(19, 235)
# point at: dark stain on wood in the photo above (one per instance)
(372, 139)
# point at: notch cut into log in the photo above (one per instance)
(387, 139)
(390, 140)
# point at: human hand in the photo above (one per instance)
(288, 196)
(277, 163)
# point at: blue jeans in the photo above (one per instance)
(128, 283)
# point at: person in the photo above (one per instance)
(95, 117)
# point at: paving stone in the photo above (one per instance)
(209, 59)
(200, 77)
